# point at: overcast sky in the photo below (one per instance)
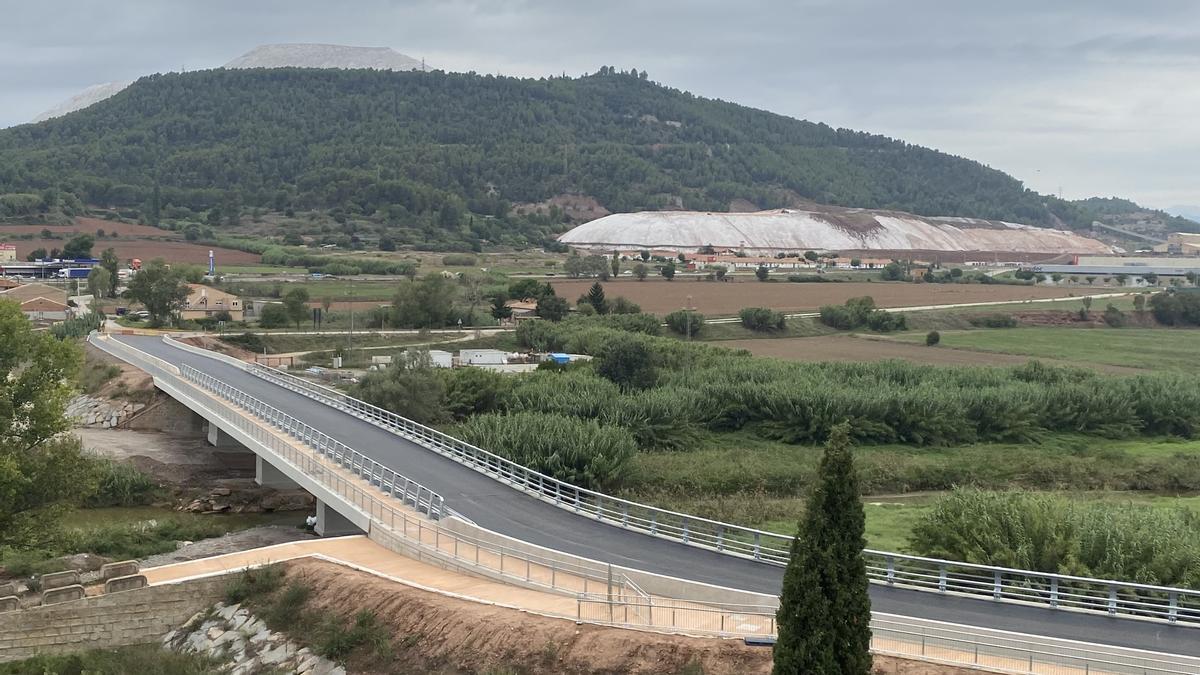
(1093, 97)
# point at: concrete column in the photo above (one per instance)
(266, 475)
(330, 523)
(220, 439)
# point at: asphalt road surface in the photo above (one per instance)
(497, 507)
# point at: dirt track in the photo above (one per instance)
(850, 348)
(728, 298)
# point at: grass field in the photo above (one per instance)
(1169, 350)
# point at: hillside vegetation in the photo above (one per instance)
(443, 156)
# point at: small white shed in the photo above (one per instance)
(440, 358)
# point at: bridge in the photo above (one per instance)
(374, 472)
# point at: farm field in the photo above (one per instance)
(908, 347)
(136, 241)
(716, 299)
(1169, 350)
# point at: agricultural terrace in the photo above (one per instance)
(726, 298)
(729, 435)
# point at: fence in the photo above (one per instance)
(711, 534)
(397, 485)
(894, 569)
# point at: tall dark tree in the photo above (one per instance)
(595, 298)
(824, 612)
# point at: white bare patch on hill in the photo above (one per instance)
(267, 56)
(826, 229)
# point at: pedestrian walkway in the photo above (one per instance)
(360, 552)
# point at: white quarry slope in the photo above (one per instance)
(324, 56)
(822, 230)
(266, 56)
(93, 94)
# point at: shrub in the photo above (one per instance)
(993, 321)
(810, 279)
(685, 322)
(859, 312)
(1114, 317)
(1176, 309)
(578, 451)
(932, 338)
(627, 363)
(274, 315)
(762, 319)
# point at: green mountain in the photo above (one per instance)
(444, 156)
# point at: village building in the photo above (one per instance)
(205, 301)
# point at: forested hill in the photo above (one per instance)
(411, 148)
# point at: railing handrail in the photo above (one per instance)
(727, 527)
(193, 374)
(257, 368)
(434, 502)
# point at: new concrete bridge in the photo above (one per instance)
(498, 508)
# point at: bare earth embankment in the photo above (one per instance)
(441, 634)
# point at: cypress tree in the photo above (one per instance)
(595, 298)
(825, 612)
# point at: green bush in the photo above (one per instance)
(762, 319)
(578, 451)
(1051, 533)
(860, 312)
(1175, 308)
(120, 661)
(685, 322)
(932, 338)
(993, 321)
(810, 279)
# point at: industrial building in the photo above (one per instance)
(1163, 266)
(1180, 243)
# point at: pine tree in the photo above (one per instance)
(825, 611)
(595, 298)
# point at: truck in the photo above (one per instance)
(74, 273)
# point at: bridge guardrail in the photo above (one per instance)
(701, 532)
(1057, 591)
(390, 482)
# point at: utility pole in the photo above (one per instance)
(687, 318)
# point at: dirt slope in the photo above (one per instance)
(444, 635)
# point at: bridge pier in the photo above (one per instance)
(266, 475)
(330, 523)
(220, 439)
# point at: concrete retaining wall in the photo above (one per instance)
(106, 621)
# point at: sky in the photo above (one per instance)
(1073, 97)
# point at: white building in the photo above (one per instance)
(481, 357)
(440, 358)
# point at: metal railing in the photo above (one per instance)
(565, 576)
(127, 353)
(389, 481)
(681, 527)
(894, 569)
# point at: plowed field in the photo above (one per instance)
(727, 298)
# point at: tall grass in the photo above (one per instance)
(1050, 533)
(581, 452)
